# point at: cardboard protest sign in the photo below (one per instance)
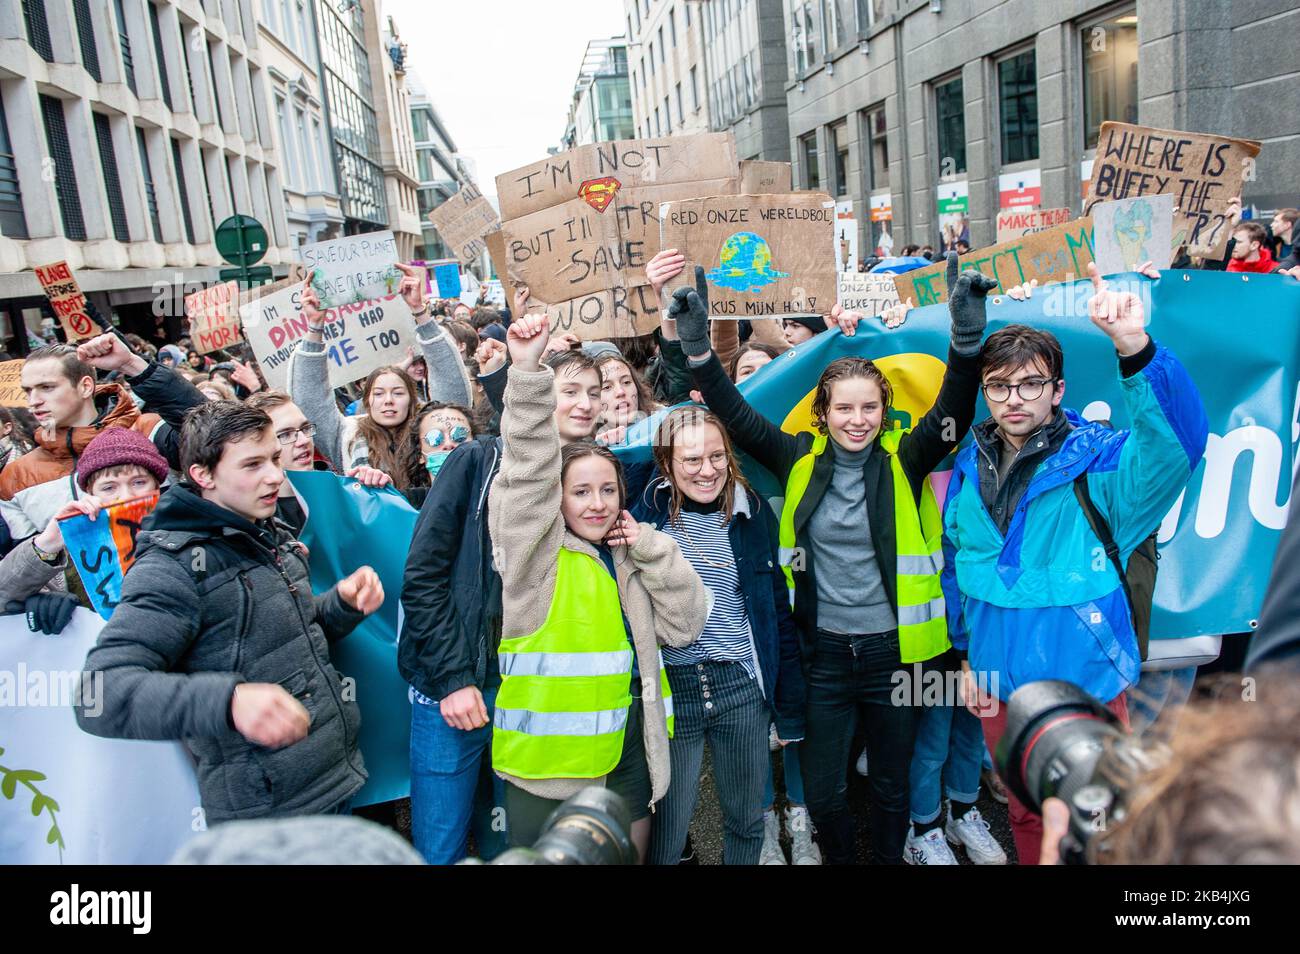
(358, 337)
(1203, 173)
(352, 269)
(103, 549)
(867, 293)
(763, 255)
(1014, 223)
(11, 386)
(214, 318)
(65, 296)
(764, 177)
(1056, 255)
(463, 220)
(1128, 232)
(580, 226)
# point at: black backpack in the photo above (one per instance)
(1139, 579)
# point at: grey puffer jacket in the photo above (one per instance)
(211, 601)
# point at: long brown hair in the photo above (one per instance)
(393, 450)
(670, 429)
(841, 369)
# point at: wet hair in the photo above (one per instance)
(577, 450)
(1016, 346)
(210, 426)
(645, 399)
(842, 369)
(395, 450)
(734, 364)
(1229, 791)
(73, 368)
(670, 429)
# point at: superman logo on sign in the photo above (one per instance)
(599, 193)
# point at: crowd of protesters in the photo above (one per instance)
(571, 618)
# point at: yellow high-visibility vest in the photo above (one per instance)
(922, 626)
(565, 689)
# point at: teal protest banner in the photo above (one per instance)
(1238, 335)
(348, 527)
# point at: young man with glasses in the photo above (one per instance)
(1028, 595)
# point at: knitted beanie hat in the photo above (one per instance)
(115, 446)
(814, 323)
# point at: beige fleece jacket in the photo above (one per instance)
(663, 597)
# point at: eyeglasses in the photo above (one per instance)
(1030, 390)
(290, 436)
(437, 437)
(693, 465)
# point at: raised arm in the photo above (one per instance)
(524, 507)
(309, 380)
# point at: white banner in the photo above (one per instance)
(67, 797)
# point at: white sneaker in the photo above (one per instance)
(972, 831)
(771, 853)
(798, 825)
(861, 766)
(929, 849)
(773, 743)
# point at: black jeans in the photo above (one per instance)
(849, 675)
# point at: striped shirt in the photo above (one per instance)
(704, 541)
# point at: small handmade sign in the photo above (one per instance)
(103, 549)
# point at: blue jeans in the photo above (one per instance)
(1155, 694)
(949, 746)
(453, 786)
(793, 777)
(718, 703)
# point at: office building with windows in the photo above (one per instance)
(944, 112)
(128, 130)
(601, 107)
(665, 52)
(745, 72)
(396, 140)
(287, 37)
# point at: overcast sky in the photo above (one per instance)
(501, 72)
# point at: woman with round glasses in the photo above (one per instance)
(745, 665)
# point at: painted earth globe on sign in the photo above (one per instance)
(745, 264)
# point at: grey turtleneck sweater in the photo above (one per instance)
(851, 597)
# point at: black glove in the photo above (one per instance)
(966, 301)
(690, 309)
(47, 613)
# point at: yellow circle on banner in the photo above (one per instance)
(916, 379)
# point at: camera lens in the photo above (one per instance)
(591, 828)
(1055, 735)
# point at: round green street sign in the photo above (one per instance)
(241, 240)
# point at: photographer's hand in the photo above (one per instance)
(1056, 823)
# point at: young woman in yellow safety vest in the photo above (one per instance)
(860, 544)
(588, 596)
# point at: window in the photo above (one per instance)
(1110, 75)
(185, 59)
(86, 37)
(151, 196)
(808, 149)
(630, 35)
(184, 192)
(661, 46)
(643, 74)
(212, 78)
(950, 116)
(326, 169)
(207, 184)
(839, 16)
(681, 113)
(1018, 108)
(840, 150)
(636, 10)
(652, 57)
(65, 178)
(672, 26)
(873, 134)
(38, 28)
(291, 179)
(13, 223)
(658, 128)
(163, 85)
(804, 30)
(668, 116)
(695, 89)
(112, 181)
(309, 180)
(686, 9)
(124, 43)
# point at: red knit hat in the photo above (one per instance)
(116, 446)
